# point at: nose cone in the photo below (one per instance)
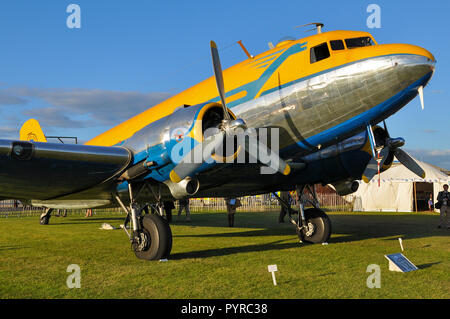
(413, 69)
(416, 50)
(411, 63)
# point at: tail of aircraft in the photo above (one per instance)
(31, 131)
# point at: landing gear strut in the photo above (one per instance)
(312, 225)
(151, 238)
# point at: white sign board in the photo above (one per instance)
(272, 268)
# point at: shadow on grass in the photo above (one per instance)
(13, 247)
(345, 228)
(276, 245)
(87, 220)
(248, 233)
(428, 265)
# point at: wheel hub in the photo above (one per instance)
(141, 241)
(310, 230)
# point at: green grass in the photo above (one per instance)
(210, 260)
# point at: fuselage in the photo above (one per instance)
(315, 102)
(318, 91)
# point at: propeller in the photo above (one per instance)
(229, 126)
(219, 79)
(390, 146)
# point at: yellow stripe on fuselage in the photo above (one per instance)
(293, 68)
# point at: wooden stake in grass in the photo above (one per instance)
(272, 269)
(401, 243)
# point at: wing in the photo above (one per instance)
(34, 170)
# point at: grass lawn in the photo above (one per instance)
(210, 260)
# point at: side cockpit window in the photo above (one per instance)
(358, 42)
(337, 45)
(320, 52)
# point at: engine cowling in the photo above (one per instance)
(166, 141)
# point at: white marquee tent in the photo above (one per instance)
(398, 189)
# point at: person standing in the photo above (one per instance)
(232, 204)
(168, 206)
(430, 203)
(286, 197)
(444, 203)
(184, 204)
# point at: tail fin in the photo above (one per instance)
(31, 131)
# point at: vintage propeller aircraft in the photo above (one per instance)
(322, 95)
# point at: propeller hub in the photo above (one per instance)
(395, 142)
(229, 126)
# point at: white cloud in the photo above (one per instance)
(9, 133)
(103, 107)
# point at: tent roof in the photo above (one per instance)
(398, 172)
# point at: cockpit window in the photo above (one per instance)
(319, 52)
(337, 45)
(358, 42)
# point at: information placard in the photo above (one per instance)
(398, 262)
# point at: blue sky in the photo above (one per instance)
(129, 55)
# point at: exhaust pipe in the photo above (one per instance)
(346, 187)
(187, 187)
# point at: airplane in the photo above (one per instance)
(323, 96)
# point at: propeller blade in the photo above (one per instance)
(196, 157)
(386, 129)
(202, 152)
(409, 162)
(372, 168)
(219, 78)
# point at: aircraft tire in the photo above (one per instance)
(158, 229)
(322, 226)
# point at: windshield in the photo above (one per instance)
(358, 42)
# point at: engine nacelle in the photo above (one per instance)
(167, 140)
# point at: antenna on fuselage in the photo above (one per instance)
(245, 50)
(318, 27)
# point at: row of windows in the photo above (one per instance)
(321, 51)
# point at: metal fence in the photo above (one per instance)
(13, 208)
(257, 203)
(268, 202)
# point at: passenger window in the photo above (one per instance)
(358, 42)
(319, 52)
(337, 45)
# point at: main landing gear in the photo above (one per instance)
(44, 219)
(151, 237)
(312, 225)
